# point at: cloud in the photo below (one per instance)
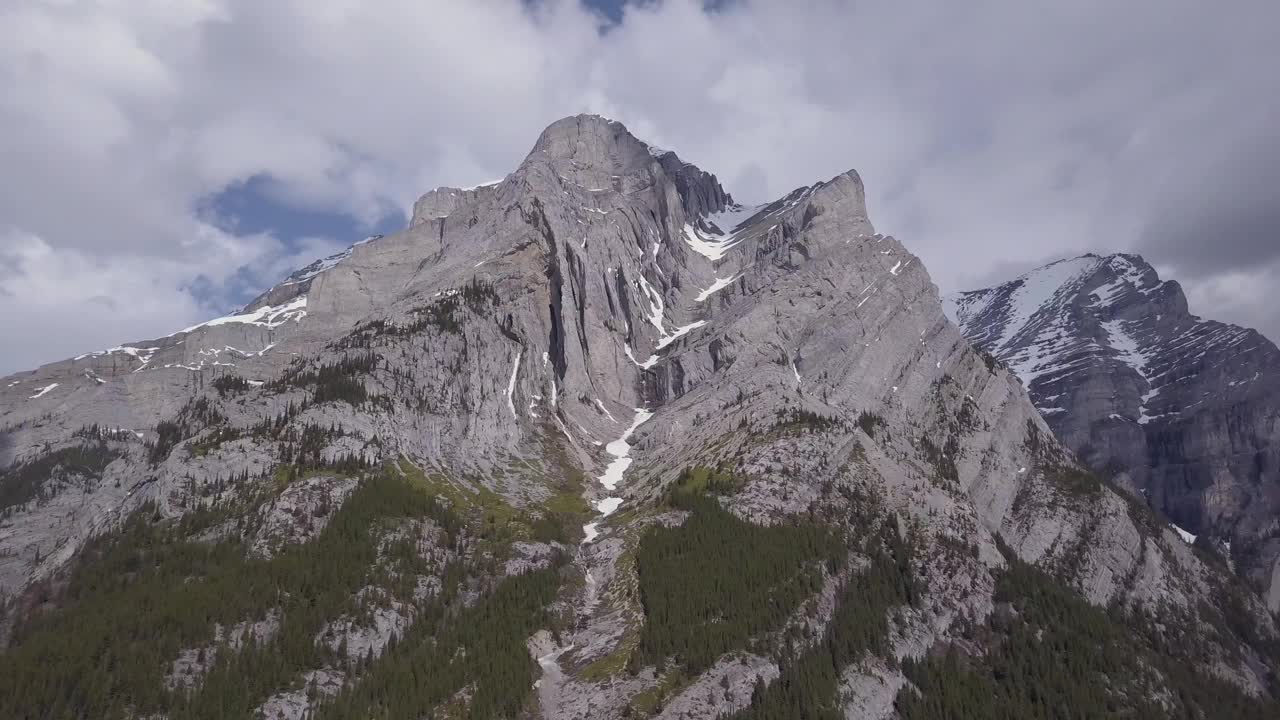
(994, 135)
(62, 302)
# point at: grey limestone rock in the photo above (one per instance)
(300, 513)
(723, 689)
(192, 664)
(297, 704)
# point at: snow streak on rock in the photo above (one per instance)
(511, 385)
(717, 286)
(268, 316)
(620, 449)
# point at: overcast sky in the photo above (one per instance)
(163, 160)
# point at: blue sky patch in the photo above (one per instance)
(251, 207)
(254, 206)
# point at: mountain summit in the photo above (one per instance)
(1179, 409)
(591, 441)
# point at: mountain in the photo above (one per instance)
(592, 441)
(1182, 411)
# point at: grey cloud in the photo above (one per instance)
(1221, 217)
(991, 135)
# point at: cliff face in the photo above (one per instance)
(589, 328)
(1180, 410)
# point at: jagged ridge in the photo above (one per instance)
(1179, 409)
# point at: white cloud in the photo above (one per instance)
(1245, 295)
(990, 135)
(64, 302)
(61, 302)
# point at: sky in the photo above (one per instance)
(162, 161)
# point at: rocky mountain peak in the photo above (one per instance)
(528, 388)
(1178, 409)
(598, 154)
(846, 192)
(592, 141)
(593, 154)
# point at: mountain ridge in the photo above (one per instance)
(554, 377)
(1129, 378)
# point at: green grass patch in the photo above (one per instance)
(650, 701)
(612, 664)
(1075, 482)
(703, 479)
(496, 521)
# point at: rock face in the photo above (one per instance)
(1184, 412)
(300, 513)
(567, 341)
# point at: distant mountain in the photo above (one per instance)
(1184, 411)
(592, 441)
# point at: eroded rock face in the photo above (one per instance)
(725, 688)
(192, 664)
(300, 513)
(298, 704)
(385, 620)
(1182, 411)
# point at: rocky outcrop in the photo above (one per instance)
(192, 664)
(1183, 412)
(725, 688)
(300, 512)
(385, 619)
(298, 704)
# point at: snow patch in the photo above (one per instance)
(511, 385)
(707, 246)
(650, 362)
(620, 449)
(1187, 537)
(317, 267)
(41, 392)
(268, 316)
(717, 286)
(668, 339)
(143, 355)
(656, 317)
(483, 184)
(605, 410)
(1039, 286)
(732, 218)
(656, 307)
(1129, 351)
